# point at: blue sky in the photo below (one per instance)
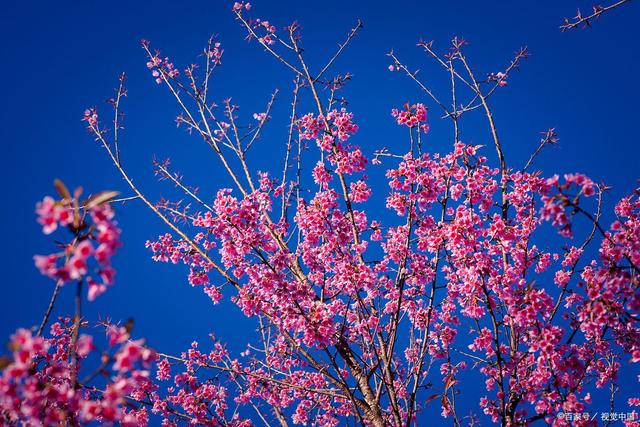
(60, 57)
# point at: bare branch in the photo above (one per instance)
(341, 47)
(581, 20)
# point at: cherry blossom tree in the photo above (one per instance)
(367, 314)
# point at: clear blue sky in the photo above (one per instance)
(60, 57)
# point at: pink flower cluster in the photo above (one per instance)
(500, 78)
(331, 134)
(412, 116)
(269, 37)
(563, 196)
(161, 68)
(259, 116)
(91, 117)
(239, 5)
(95, 236)
(308, 394)
(214, 52)
(52, 214)
(40, 385)
(338, 126)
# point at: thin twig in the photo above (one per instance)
(47, 313)
(341, 47)
(585, 21)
